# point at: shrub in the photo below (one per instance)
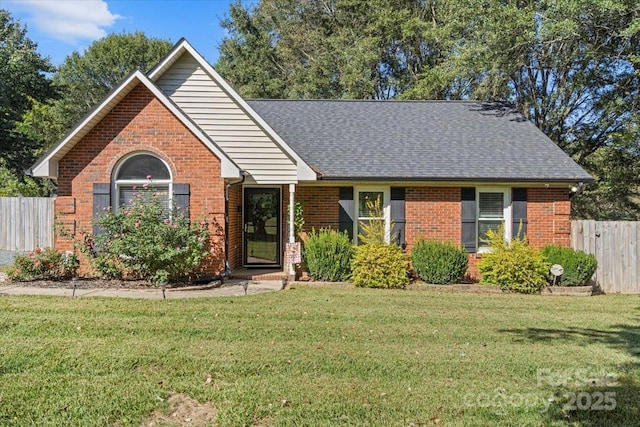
(378, 265)
(328, 254)
(143, 241)
(513, 266)
(45, 264)
(438, 262)
(578, 266)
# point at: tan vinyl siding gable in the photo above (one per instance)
(222, 119)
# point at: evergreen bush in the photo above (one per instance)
(438, 262)
(578, 266)
(327, 255)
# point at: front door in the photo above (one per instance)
(262, 227)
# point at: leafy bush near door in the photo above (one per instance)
(327, 255)
(513, 266)
(438, 262)
(379, 265)
(578, 266)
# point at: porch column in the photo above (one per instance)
(292, 231)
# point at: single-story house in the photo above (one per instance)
(447, 170)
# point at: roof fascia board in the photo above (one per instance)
(398, 182)
(305, 172)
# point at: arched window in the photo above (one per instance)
(139, 173)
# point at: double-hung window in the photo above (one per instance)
(493, 212)
(366, 198)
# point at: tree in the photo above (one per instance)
(22, 79)
(339, 49)
(84, 79)
(570, 67)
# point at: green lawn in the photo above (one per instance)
(321, 356)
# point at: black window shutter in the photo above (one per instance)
(181, 194)
(398, 215)
(468, 200)
(101, 201)
(347, 213)
(519, 211)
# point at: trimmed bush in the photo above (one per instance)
(438, 262)
(578, 266)
(513, 266)
(44, 264)
(328, 254)
(378, 265)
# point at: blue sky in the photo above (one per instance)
(61, 27)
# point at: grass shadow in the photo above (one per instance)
(584, 397)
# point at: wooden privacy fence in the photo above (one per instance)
(615, 246)
(26, 223)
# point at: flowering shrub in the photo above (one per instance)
(146, 240)
(45, 264)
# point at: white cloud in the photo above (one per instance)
(70, 21)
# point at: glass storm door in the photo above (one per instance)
(262, 226)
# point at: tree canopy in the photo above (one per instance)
(570, 67)
(23, 78)
(39, 104)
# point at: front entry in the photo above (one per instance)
(262, 234)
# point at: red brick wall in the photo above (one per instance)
(321, 208)
(435, 213)
(548, 211)
(141, 123)
(432, 213)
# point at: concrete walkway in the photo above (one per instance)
(228, 289)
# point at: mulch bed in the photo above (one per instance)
(95, 284)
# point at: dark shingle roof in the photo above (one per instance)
(430, 140)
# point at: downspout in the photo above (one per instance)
(227, 268)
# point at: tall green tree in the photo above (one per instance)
(570, 66)
(23, 77)
(331, 49)
(84, 79)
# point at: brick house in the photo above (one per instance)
(443, 169)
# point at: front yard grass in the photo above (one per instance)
(321, 356)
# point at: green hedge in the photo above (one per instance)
(578, 266)
(438, 262)
(327, 255)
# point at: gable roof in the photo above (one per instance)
(423, 140)
(207, 106)
(47, 165)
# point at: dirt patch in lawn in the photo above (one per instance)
(183, 411)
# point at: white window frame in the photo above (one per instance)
(386, 207)
(506, 214)
(117, 184)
